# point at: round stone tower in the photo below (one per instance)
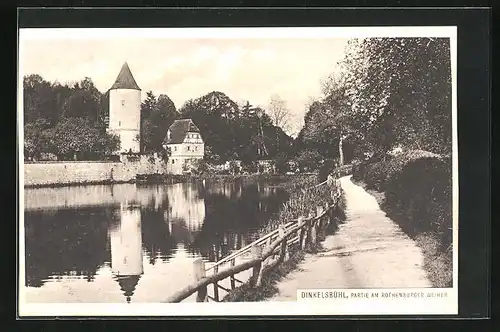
(125, 110)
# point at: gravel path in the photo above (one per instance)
(369, 250)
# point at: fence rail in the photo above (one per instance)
(302, 231)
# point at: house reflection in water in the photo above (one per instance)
(126, 249)
(185, 206)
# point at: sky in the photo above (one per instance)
(244, 68)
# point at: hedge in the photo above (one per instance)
(378, 172)
(420, 198)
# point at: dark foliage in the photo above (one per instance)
(420, 195)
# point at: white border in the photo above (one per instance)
(393, 307)
(222, 33)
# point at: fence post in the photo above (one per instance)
(284, 245)
(317, 225)
(200, 273)
(301, 232)
(309, 227)
(266, 261)
(216, 285)
(324, 220)
(256, 251)
(233, 263)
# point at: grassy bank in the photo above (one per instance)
(301, 203)
(414, 189)
(251, 177)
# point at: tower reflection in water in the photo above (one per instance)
(126, 249)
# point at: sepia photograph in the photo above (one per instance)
(237, 171)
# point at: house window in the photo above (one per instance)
(119, 123)
(175, 148)
(196, 148)
(173, 161)
(189, 148)
(123, 102)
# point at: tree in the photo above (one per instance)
(200, 167)
(281, 163)
(215, 114)
(157, 114)
(279, 113)
(39, 101)
(37, 139)
(67, 120)
(400, 89)
(211, 157)
(329, 121)
(308, 160)
(84, 101)
(77, 137)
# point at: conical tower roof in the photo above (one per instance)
(127, 285)
(125, 79)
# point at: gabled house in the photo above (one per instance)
(185, 143)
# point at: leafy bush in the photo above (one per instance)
(250, 166)
(234, 168)
(281, 163)
(201, 167)
(379, 171)
(420, 197)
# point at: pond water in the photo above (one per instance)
(136, 243)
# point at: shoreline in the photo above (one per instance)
(166, 179)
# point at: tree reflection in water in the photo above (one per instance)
(66, 242)
(232, 219)
(203, 220)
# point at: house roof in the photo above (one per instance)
(125, 79)
(179, 129)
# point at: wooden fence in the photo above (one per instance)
(266, 252)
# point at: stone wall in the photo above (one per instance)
(57, 173)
